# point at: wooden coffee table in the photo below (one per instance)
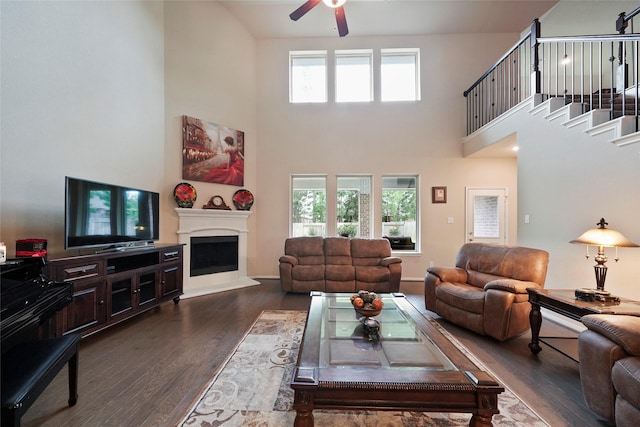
(411, 366)
(564, 302)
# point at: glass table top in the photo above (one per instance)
(400, 344)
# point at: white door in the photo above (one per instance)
(486, 215)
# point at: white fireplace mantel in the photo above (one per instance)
(213, 222)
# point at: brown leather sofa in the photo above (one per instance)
(339, 264)
(609, 352)
(486, 291)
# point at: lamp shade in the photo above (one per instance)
(603, 236)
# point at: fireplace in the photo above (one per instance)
(215, 253)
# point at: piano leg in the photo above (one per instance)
(73, 379)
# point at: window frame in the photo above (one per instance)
(416, 232)
(308, 54)
(353, 53)
(401, 52)
(362, 223)
(292, 189)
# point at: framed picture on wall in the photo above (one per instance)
(438, 194)
(212, 153)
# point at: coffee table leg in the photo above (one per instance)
(303, 404)
(535, 320)
(480, 421)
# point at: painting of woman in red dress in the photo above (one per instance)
(212, 153)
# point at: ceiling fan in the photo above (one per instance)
(338, 7)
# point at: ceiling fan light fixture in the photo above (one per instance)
(334, 3)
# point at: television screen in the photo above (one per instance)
(99, 214)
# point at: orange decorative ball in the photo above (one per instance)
(358, 302)
(377, 303)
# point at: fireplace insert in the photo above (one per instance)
(213, 254)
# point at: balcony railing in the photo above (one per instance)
(597, 72)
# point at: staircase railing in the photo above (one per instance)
(597, 72)
(504, 85)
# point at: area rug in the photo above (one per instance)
(252, 387)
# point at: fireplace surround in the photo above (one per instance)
(211, 225)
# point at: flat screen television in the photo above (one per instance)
(99, 214)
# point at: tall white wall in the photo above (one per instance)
(378, 138)
(96, 90)
(210, 72)
(567, 181)
(82, 95)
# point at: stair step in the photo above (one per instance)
(597, 121)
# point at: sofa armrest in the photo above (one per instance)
(449, 274)
(288, 259)
(622, 330)
(510, 285)
(390, 260)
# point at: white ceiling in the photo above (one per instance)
(270, 18)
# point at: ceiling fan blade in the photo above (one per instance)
(341, 19)
(306, 7)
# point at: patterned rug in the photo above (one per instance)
(252, 387)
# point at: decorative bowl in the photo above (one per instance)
(367, 312)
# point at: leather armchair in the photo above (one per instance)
(609, 352)
(486, 291)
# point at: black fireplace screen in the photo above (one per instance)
(213, 254)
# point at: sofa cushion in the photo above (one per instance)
(308, 250)
(461, 295)
(340, 272)
(626, 379)
(372, 273)
(369, 251)
(308, 273)
(337, 251)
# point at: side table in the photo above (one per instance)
(563, 301)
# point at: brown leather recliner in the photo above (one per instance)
(338, 264)
(486, 292)
(609, 352)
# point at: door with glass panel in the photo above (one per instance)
(486, 215)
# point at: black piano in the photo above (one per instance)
(30, 358)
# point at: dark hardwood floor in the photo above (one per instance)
(150, 370)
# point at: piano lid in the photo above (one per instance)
(21, 281)
(28, 299)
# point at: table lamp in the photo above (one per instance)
(601, 237)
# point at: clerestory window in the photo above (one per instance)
(400, 74)
(308, 76)
(354, 79)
